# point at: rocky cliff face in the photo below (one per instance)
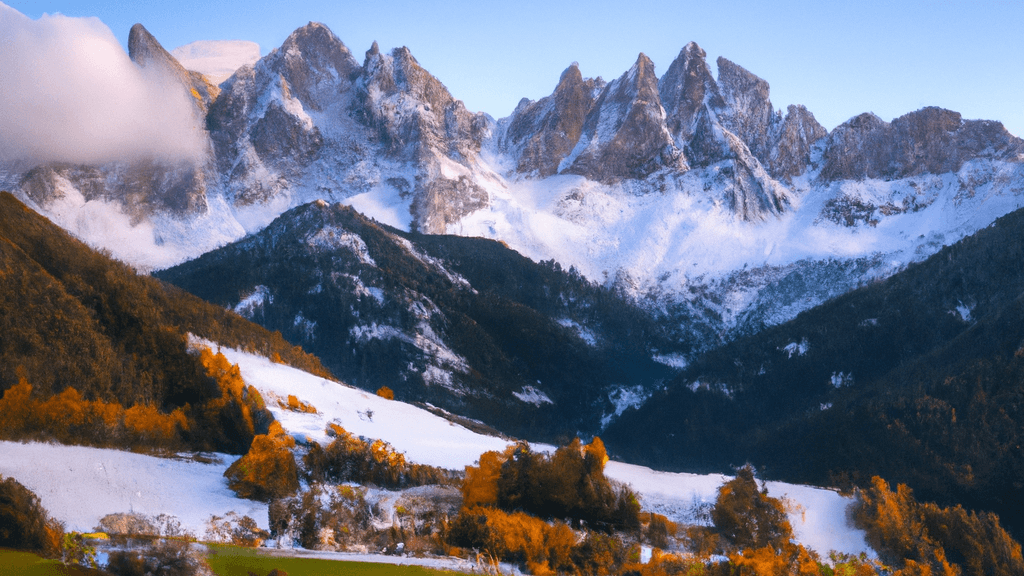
(309, 121)
(928, 141)
(539, 135)
(624, 136)
(261, 127)
(415, 120)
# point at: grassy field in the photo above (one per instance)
(225, 561)
(237, 561)
(16, 563)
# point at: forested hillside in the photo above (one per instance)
(919, 379)
(463, 323)
(79, 325)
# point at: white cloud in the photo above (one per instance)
(69, 93)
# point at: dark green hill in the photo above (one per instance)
(72, 317)
(918, 378)
(462, 323)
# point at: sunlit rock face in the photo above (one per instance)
(541, 134)
(931, 140)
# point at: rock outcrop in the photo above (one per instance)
(930, 140)
(541, 134)
(147, 52)
(625, 135)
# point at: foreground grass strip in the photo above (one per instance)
(17, 563)
(239, 561)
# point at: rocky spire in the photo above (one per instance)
(624, 136)
(685, 89)
(146, 51)
(790, 152)
(748, 112)
(544, 132)
(315, 63)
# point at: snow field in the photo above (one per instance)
(79, 485)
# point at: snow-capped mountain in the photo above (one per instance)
(689, 192)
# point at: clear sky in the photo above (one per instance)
(837, 58)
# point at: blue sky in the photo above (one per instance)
(838, 59)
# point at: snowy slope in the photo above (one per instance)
(80, 485)
(682, 244)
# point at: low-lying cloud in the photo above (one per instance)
(70, 93)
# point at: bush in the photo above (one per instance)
(24, 523)
(747, 518)
(568, 484)
(268, 470)
(351, 459)
(386, 393)
(162, 557)
(515, 537)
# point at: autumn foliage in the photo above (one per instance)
(925, 538)
(352, 459)
(515, 502)
(747, 518)
(568, 484)
(268, 470)
(69, 418)
(24, 523)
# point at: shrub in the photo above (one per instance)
(747, 518)
(163, 557)
(351, 459)
(386, 393)
(515, 537)
(24, 523)
(268, 470)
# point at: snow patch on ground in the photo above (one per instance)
(532, 395)
(796, 348)
(622, 399)
(254, 301)
(80, 485)
(583, 332)
(330, 238)
(677, 361)
(818, 515)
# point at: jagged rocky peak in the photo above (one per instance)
(686, 88)
(415, 119)
(315, 63)
(930, 140)
(147, 52)
(412, 112)
(543, 133)
(748, 111)
(624, 136)
(790, 153)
